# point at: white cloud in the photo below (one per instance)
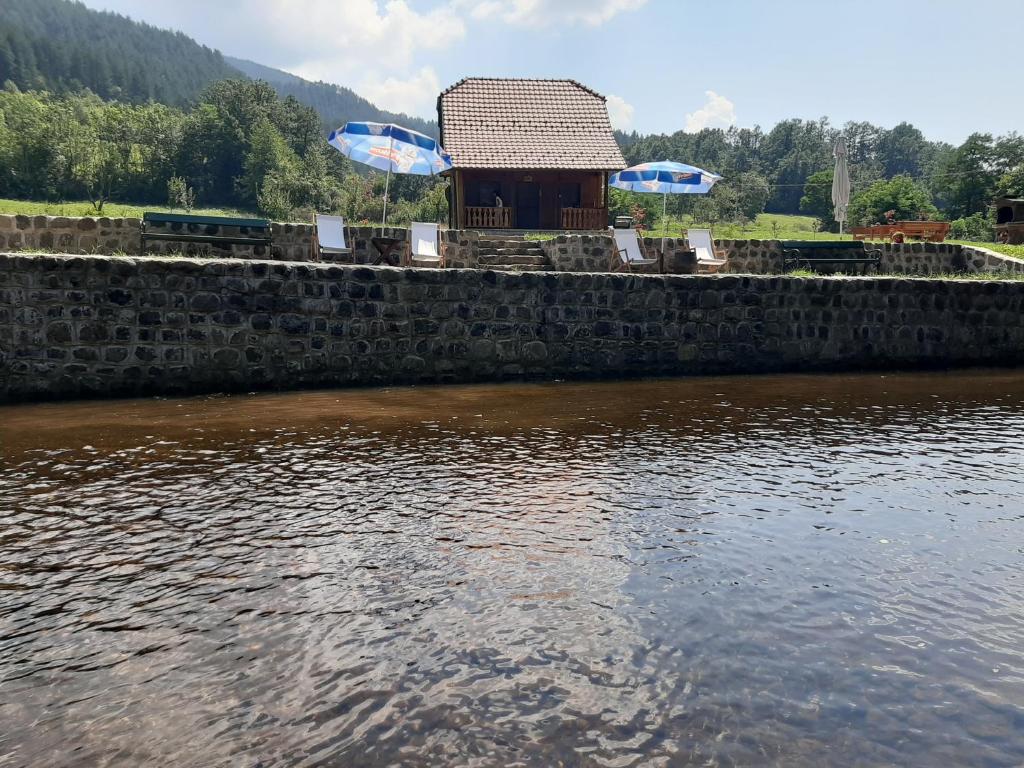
(542, 13)
(355, 43)
(332, 37)
(620, 112)
(717, 112)
(414, 95)
(381, 49)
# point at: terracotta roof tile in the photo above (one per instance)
(529, 124)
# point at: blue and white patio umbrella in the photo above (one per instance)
(665, 178)
(391, 148)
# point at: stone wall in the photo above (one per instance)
(567, 253)
(123, 236)
(87, 325)
(764, 257)
(65, 234)
(596, 252)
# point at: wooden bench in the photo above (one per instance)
(814, 253)
(184, 228)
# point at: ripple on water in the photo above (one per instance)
(780, 570)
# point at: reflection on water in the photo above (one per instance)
(745, 571)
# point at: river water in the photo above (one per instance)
(791, 570)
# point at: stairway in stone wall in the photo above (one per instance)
(512, 254)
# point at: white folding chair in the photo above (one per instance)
(329, 235)
(703, 245)
(629, 251)
(424, 244)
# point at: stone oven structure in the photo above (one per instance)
(1010, 220)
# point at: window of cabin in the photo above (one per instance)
(482, 194)
(569, 195)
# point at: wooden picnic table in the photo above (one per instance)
(932, 231)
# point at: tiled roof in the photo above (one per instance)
(529, 124)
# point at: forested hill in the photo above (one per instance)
(333, 103)
(62, 46)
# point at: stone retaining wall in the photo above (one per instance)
(594, 253)
(88, 325)
(567, 253)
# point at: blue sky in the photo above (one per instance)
(664, 64)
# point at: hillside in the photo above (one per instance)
(61, 46)
(334, 103)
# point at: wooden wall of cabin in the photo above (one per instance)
(545, 192)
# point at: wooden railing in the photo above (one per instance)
(488, 218)
(584, 218)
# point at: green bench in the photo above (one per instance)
(183, 228)
(814, 253)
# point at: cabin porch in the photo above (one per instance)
(530, 200)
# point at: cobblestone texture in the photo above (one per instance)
(91, 325)
(566, 253)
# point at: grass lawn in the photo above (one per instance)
(1007, 250)
(767, 226)
(113, 210)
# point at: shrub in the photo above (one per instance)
(973, 227)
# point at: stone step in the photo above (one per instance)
(515, 251)
(520, 267)
(503, 234)
(493, 245)
(513, 258)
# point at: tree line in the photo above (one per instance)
(239, 146)
(789, 170)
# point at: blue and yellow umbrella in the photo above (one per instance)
(665, 178)
(391, 148)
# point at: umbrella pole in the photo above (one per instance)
(387, 183)
(664, 221)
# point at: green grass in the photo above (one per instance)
(767, 226)
(1011, 276)
(1016, 251)
(113, 210)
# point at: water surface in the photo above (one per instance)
(819, 571)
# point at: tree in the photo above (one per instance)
(792, 151)
(907, 199)
(969, 179)
(817, 199)
(1011, 184)
(902, 150)
(97, 168)
(268, 154)
(752, 192)
(180, 194)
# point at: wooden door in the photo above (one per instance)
(527, 205)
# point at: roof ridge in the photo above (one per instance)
(571, 80)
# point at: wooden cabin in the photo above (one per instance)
(527, 154)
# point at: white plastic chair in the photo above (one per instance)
(703, 244)
(329, 235)
(630, 252)
(423, 244)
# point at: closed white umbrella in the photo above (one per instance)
(841, 183)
